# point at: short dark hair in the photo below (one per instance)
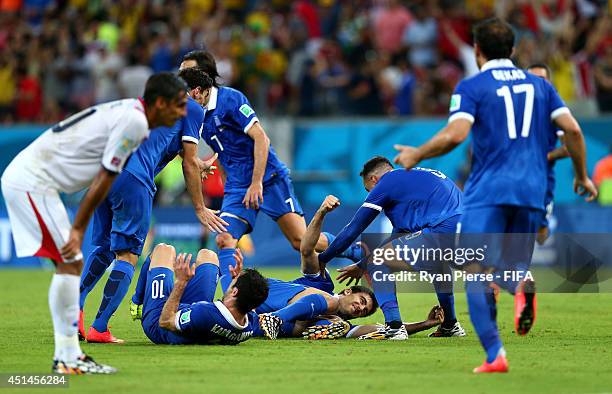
(544, 66)
(495, 38)
(206, 62)
(252, 290)
(356, 289)
(196, 78)
(165, 85)
(373, 164)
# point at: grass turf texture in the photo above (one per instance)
(568, 351)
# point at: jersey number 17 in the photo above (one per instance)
(526, 89)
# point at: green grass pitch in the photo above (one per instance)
(568, 351)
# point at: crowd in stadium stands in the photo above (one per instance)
(304, 58)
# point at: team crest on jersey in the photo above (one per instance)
(246, 110)
(455, 102)
(218, 123)
(185, 317)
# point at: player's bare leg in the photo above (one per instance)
(293, 227)
(163, 256)
(206, 256)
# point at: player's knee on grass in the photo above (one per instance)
(225, 240)
(163, 255)
(207, 256)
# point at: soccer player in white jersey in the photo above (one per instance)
(86, 150)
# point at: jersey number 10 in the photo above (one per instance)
(504, 92)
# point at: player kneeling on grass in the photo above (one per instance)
(178, 305)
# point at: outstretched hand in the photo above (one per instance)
(211, 221)
(407, 157)
(350, 273)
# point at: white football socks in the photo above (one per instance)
(64, 306)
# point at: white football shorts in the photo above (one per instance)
(39, 222)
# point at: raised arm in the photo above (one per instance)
(447, 139)
(310, 261)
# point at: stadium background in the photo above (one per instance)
(333, 82)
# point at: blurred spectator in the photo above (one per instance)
(420, 37)
(603, 80)
(105, 67)
(7, 93)
(29, 96)
(306, 57)
(133, 77)
(390, 22)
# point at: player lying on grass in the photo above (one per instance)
(179, 308)
(308, 296)
(418, 201)
(299, 317)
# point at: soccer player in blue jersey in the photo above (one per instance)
(179, 308)
(509, 112)
(255, 178)
(554, 153)
(419, 200)
(121, 222)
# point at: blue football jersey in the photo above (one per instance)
(280, 292)
(164, 143)
(415, 199)
(511, 112)
(212, 323)
(228, 117)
